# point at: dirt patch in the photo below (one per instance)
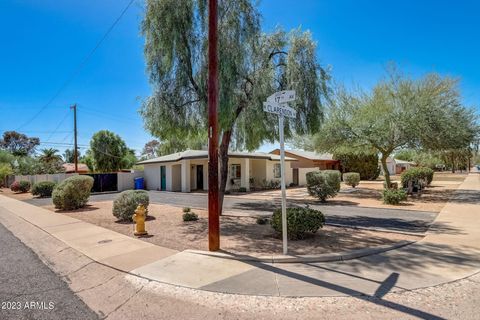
(369, 194)
(240, 235)
(15, 195)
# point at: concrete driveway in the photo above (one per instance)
(345, 215)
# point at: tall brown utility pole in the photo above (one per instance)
(75, 148)
(213, 203)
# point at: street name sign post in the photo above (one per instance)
(277, 104)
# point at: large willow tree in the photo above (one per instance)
(252, 65)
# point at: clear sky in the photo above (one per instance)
(43, 42)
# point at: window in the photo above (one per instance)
(276, 170)
(235, 171)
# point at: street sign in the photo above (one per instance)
(280, 109)
(277, 104)
(282, 96)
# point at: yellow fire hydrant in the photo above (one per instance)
(139, 219)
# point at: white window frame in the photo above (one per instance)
(233, 171)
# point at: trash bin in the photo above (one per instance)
(139, 183)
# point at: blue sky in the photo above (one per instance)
(44, 41)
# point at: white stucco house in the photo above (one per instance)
(188, 170)
(396, 166)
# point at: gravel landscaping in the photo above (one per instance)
(241, 235)
(369, 194)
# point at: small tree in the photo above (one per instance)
(108, 150)
(399, 113)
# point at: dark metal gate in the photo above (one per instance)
(104, 182)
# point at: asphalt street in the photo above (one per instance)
(30, 290)
(380, 218)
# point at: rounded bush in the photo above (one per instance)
(300, 222)
(351, 179)
(20, 186)
(392, 196)
(72, 193)
(426, 174)
(190, 216)
(334, 178)
(323, 184)
(127, 202)
(43, 188)
(419, 176)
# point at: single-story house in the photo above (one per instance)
(70, 168)
(308, 161)
(188, 170)
(396, 166)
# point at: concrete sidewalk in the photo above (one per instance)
(450, 251)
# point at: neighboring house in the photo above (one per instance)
(188, 170)
(70, 168)
(308, 161)
(396, 166)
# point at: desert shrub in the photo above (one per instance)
(43, 188)
(189, 216)
(426, 174)
(242, 189)
(365, 163)
(272, 184)
(334, 178)
(351, 178)
(323, 184)
(20, 186)
(186, 209)
(392, 196)
(72, 193)
(262, 220)
(300, 222)
(127, 202)
(419, 177)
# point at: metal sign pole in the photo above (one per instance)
(284, 193)
(277, 104)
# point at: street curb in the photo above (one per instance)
(326, 257)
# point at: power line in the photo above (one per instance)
(78, 68)
(58, 126)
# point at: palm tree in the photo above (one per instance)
(49, 156)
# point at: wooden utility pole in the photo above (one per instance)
(75, 148)
(213, 200)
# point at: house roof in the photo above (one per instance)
(311, 155)
(397, 161)
(70, 167)
(203, 154)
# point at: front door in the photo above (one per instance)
(199, 177)
(295, 176)
(163, 178)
